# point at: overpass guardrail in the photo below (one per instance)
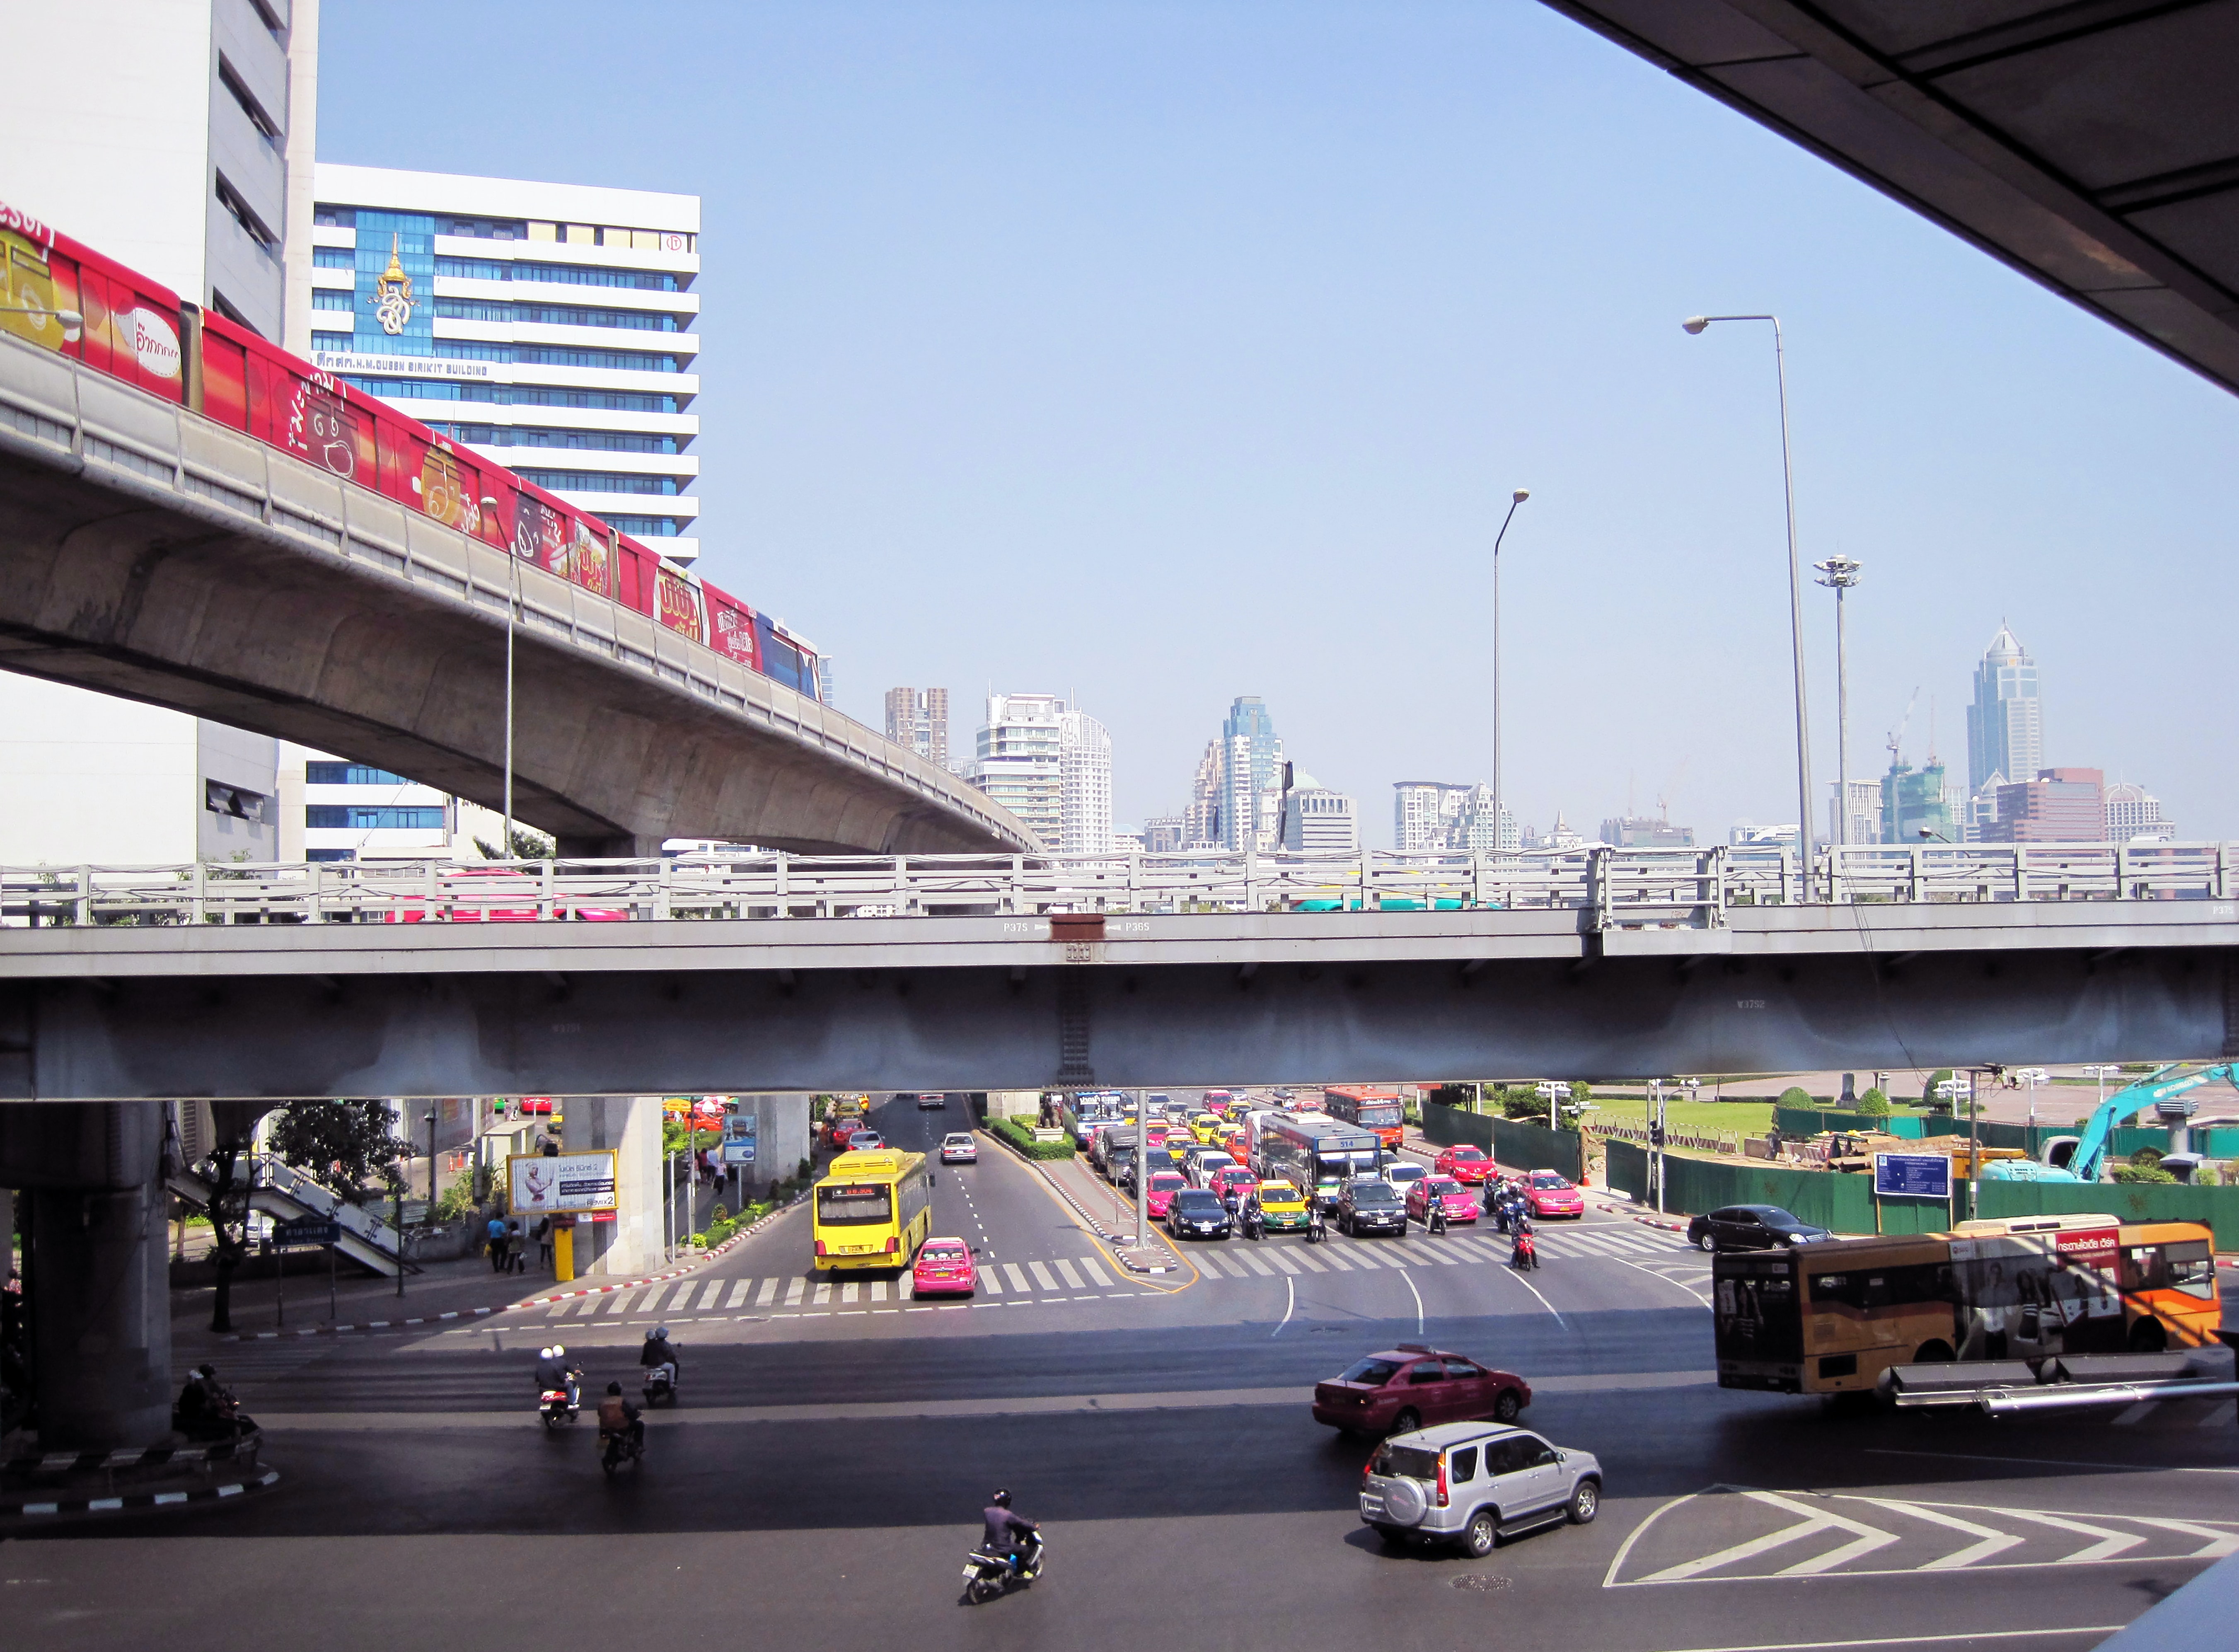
(1609, 888)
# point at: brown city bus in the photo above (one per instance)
(1831, 1317)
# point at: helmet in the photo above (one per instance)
(661, 1333)
(614, 1388)
(559, 1352)
(544, 1353)
(1002, 1498)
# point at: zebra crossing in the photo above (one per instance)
(1059, 1280)
(1245, 1261)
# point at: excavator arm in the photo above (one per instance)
(2091, 1148)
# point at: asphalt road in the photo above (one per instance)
(819, 1484)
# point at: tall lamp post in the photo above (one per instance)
(1514, 500)
(1695, 324)
(1839, 573)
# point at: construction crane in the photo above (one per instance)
(1896, 739)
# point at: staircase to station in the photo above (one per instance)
(286, 1194)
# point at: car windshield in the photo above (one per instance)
(1548, 1178)
(1467, 1153)
(1195, 1198)
(1444, 1185)
(1371, 1371)
(1404, 1173)
(1773, 1217)
(1279, 1193)
(1375, 1193)
(941, 1253)
(1164, 1181)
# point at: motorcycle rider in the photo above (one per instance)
(659, 1355)
(618, 1416)
(552, 1373)
(1008, 1537)
(1525, 1254)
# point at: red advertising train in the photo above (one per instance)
(65, 297)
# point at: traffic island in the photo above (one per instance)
(39, 1489)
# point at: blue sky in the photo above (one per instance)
(1160, 353)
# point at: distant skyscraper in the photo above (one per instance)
(1252, 776)
(2005, 723)
(1163, 834)
(2134, 813)
(1084, 784)
(1423, 813)
(1634, 832)
(918, 718)
(1316, 821)
(1018, 762)
(1474, 827)
(1201, 820)
(1865, 823)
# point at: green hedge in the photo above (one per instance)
(1022, 1138)
(1514, 1146)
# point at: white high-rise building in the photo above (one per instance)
(1020, 762)
(552, 327)
(918, 718)
(1865, 822)
(1431, 815)
(1316, 821)
(1084, 784)
(113, 132)
(2134, 815)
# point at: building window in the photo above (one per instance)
(486, 435)
(644, 281)
(334, 218)
(644, 527)
(330, 854)
(245, 216)
(453, 349)
(337, 341)
(615, 361)
(473, 268)
(267, 128)
(595, 481)
(333, 258)
(328, 298)
(550, 396)
(350, 774)
(236, 802)
(352, 817)
(472, 309)
(484, 229)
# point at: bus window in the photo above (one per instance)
(2186, 1265)
(854, 1205)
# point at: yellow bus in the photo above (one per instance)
(1831, 1317)
(873, 1209)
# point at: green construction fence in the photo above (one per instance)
(1813, 1121)
(2030, 1138)
(1845, 1203)
(1513, 1145)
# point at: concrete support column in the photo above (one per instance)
(101, 1318)
(630, 1126)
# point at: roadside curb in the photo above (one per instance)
(138, 1499)
(156, 1456)
(1117, 1252)
(698, 1260)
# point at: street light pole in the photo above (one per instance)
(1695, 324)
(1839, 573)
(1514, 500)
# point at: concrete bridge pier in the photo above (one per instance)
(98, 1273)
(630, 1126)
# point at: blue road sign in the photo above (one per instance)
(305, 1233)
(1918, 1176)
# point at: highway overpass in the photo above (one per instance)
(2093, 147)
(972, 975)
(149, 552)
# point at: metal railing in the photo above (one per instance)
(1609, 888)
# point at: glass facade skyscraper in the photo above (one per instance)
(2005, 723)
(1252, 776)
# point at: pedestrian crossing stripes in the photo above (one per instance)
(1059, 1277)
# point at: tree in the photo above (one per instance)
(1519, 1101)
(527, 845)
(342, 1143)
(1873, 1103)
(1794, 1095)
(1942, 1075)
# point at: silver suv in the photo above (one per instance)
(1473, 1483)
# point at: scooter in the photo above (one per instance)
(986, 1577)
(621, 1447)
(1526, 1255)
(558, 1405)
(659, 1385)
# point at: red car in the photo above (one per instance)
(1159, 1196)
(1233, 1177)
(944, 1267)
(1550, 1193)
(1465, 1164)
(1451, 1195)
(1411, 1387)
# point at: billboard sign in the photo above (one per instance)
(739, 1127)
(568, 1182)
(1917, 1176)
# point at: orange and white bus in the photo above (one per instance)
(1831, 1317)
(1377, 1110)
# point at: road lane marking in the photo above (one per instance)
(738, 1297)
(1095, 1272)
(990, 1281)
(1289, 1302)
(1518, 1275)
(767, 1294)
(2045, 1463)
(850, 1291)
(1813, 1522)
(1017, 1280)
(878, 1290)
(1309, 1259)
(2220, 1542)
(1064, 1271)
(708, 1297)
(1968, 1636)
(1043, 1277)
(2110, 1543)
(1251, 1259)
(794, 1292)
(1332, 1259)
(1417, 1296)
(823, 1296)
(1992, 1540)
(622, 1302)
(1282, 1260)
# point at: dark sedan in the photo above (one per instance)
(1752, 1227)
(1367, 1207)
(1197, 1213)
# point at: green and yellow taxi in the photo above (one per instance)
(1207, 1127)
(1282, 1207)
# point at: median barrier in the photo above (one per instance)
(1024, 1139)
(1845, 1202)
(1512, 1143)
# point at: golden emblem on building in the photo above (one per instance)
(392, 294)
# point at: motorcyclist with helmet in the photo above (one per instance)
(658, 1357)
(617, 1417)
(553, 1371)
(1009, 1537)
